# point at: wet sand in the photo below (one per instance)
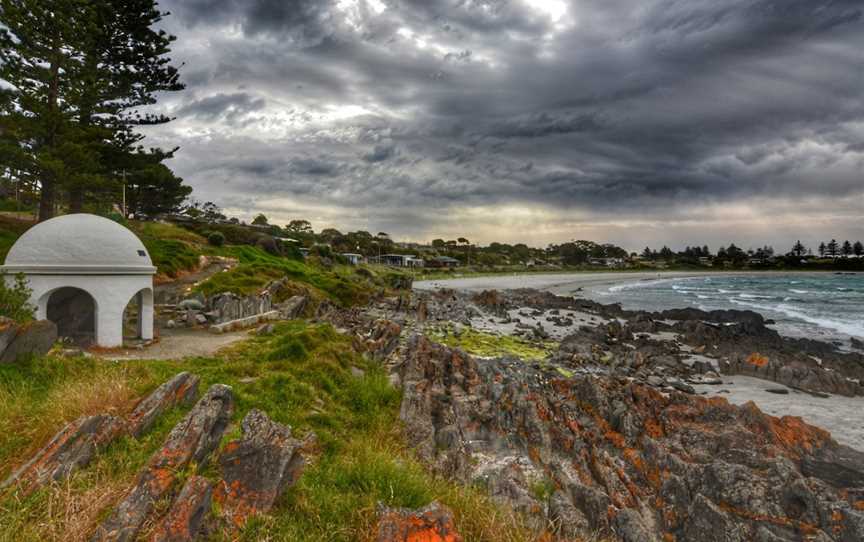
(558, 283)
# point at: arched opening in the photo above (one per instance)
(74, 312)
(136, 315)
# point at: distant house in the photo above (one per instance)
(607, 262)
(400, 260)
(353, 259)
(304, 252)
(707, 261)
(444, 261)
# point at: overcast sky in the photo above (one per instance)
(628, 121)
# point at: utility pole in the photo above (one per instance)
(124, 193)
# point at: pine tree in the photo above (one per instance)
(832, 249)
(81, 69)
(40, 53)
(798, 249)
(847, 248)
(126, 64)
(822, 249)
(858, 248)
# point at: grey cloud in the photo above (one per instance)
(380, 153)
(649, 110)
(230, 106)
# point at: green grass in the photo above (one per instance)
(341, 284)
(489, 345)
(300, 376)
(173, 249)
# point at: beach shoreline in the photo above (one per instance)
(562, 283)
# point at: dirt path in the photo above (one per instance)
(180, 343)
(174, 290)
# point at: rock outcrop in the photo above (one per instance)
(434, 523)
(30, 339)
(623, 459)
(180, 390)
(188, 513)
(190, 440)
(73, 447)
(257, 468)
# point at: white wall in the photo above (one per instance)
(110, 292)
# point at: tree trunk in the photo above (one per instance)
(46, 200)
(76, 200)
(47, 196)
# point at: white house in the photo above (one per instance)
(83, 271)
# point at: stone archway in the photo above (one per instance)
(138, 316)
(74, 312)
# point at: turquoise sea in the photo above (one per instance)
(823, 306)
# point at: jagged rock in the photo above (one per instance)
(382, 339)
(636, 464)
(257, 468)
(71, 448)
(185, 520)
(293, 307)
(33, 338)
(180, 390)
(434, 523)
(191, 440)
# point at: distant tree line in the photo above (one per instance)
(78, 76)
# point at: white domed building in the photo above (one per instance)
(83, 271)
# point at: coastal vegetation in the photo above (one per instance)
(490, 345)
(307, 376)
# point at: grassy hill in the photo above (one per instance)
(301, 376)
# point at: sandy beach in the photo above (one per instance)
(559, 283)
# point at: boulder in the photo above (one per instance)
(293, 307)
(185, 520)
(191, 304)
(434, 523)
(71, 448)
(191, 440)
(180, 390)
(31, 339)
(257, 468)
(8, 330)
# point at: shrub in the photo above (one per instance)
(15, 299)
(217, 239)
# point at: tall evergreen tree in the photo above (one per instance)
(40, 52)
(847, 248)
(798, 249)
(80, 71)
(858, 248)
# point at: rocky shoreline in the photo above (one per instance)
(609, 434)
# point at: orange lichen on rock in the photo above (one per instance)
(757, 359)
(859, 506)
(433, 523)
(801, 526)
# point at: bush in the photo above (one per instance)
(15, 299)
(217, 239)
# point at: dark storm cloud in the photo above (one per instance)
(231, 106)
(599, 106)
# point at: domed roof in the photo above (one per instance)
(76, 244)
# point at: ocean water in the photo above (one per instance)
(822, 306)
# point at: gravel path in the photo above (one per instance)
(180, 343)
